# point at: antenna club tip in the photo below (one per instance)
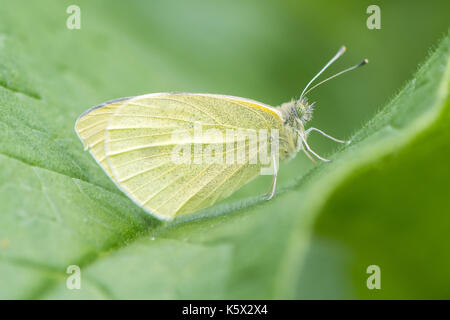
(362, 63)
(343, 48)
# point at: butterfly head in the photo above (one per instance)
(303, 110)
(297, 110)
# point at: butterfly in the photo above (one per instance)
(177, 153)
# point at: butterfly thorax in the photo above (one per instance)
(295, 114)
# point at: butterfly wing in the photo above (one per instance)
(91, 126)
(144, 131)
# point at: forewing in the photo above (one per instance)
(144, 132)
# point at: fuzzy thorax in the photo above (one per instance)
(295, 114)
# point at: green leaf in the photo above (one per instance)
(383, 200)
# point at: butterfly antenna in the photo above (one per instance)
(362, 63)
(337, 55)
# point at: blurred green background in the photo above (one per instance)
(262, 50)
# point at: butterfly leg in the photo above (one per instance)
(326, 135)
(307, 154)
(271, 193)
(310, 150)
